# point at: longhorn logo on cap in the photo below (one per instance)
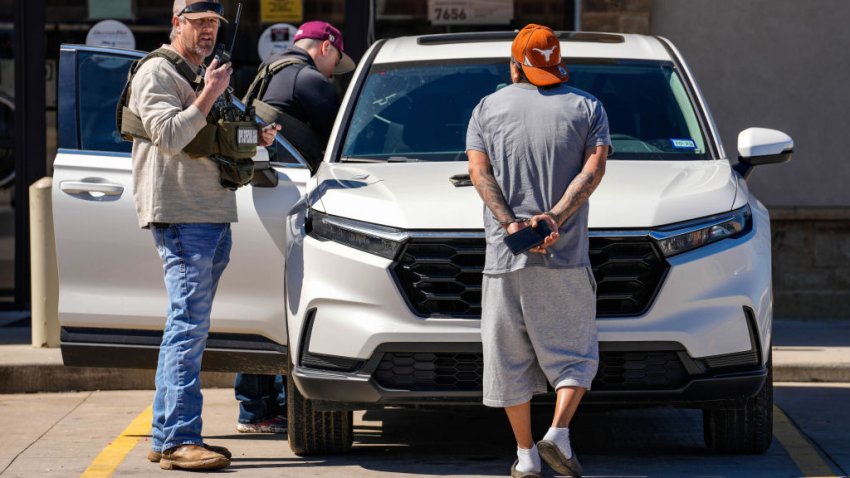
(546, 53)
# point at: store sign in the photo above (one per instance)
(122, 9)
(112, 34)
(275, 39)
(470, 12)
(273, 11)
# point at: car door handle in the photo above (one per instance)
(80, 187)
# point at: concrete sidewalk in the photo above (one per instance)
(804, 351)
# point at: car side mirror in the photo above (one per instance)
(757, 146)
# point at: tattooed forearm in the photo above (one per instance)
(490, 192)
(576, 194)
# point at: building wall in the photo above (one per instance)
(623, 16)
(782, 64)
(779, 64)
(811, 263)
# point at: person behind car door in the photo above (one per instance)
(189, 213)
(305, 92)
(537, 150)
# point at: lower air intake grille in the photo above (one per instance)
(421, 372)
(426, 372)
(639, 371)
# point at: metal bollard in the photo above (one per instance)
(45, 275)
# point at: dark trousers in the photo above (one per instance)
(261, 397)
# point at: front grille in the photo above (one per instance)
(462, 372)
(628, 274)
(442, 277)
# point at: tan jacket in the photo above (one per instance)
(168, 186)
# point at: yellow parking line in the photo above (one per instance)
(805, 456)
(107, 461)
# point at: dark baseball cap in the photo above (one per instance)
(196, 9)
(325, 31)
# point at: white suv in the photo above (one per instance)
(361, 279)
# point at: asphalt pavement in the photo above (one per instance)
(106, 433)
(93, 428)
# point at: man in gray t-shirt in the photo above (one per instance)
(537, 150)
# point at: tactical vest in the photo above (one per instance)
(216, 138)
(297, 132)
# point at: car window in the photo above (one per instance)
(101, 79)
(278, 153)
(420, 110)
(649, 110)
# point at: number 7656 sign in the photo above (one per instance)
(470, 12)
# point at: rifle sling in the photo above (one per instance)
(300, 134)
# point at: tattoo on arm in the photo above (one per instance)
(491, 194)
(576, 194)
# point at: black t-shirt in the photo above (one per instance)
(302, 91)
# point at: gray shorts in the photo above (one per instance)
(537, 325)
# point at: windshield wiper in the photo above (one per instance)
(391, 159)
(347, 159)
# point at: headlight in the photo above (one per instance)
(684, 237)
(373, 238)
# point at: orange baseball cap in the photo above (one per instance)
(538, 51)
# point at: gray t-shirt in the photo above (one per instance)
(536, 139)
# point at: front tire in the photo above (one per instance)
(312, 432)
(745, 429)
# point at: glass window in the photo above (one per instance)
(420, 111)
(101, 80)
(8, 294)
(649, 112)
(278, 153)
(7, 140)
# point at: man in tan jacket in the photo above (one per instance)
(189, 213)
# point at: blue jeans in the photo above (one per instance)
(193, 256)
(261, 397)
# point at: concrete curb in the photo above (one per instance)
(38, 378)
(832, 373)
(24, 369)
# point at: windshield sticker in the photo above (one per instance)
(680, 143)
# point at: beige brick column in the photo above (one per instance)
(622, 16)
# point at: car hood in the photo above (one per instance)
(633, 194)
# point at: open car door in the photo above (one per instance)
(112, 298)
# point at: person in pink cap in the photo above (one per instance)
(304, 91)
(301, 92)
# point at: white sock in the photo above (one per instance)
(529, 460)
(561, 437)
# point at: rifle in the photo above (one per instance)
(236, 132)
(224, 108)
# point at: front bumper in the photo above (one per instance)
(712, 311)
(446, 374)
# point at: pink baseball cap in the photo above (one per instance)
(325, 31)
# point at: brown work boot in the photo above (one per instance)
(155, 456)
(192, 457)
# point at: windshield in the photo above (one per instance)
(420, 111)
